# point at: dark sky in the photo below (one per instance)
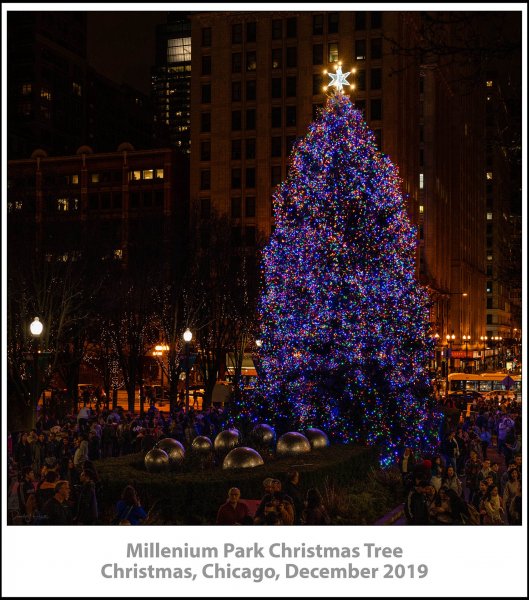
(121, 45)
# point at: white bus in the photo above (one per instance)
(486, 383)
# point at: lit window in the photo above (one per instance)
(94, 177)
(148, 174)
(135, 175)
(489, 216)
(75, 179)
(76, 88)
(63, 204)
(489, 174)
(421, 180)
(489, 257)
(45, 94)
(333, 52)
(159, 173)
(118, 254)
(179, 50)
(489, 83)
(26, 89)
(421, 209)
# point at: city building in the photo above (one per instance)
(56, 101)
(171, 81)
(121, 205)
(257, 82)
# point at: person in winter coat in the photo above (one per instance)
(81, 454)
(87, 509)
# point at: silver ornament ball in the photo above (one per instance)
(242, 458)
(317, 438)
(174, 449)
(264, 434)
(226, 440)
(202, 445)
(156, 461)
(292, 443)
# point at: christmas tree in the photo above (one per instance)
(344, 323)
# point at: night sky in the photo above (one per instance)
(121, 45)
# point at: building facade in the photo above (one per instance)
(171, 81)
(257, 82)
(125, 206)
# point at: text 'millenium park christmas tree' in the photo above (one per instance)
(344, 323)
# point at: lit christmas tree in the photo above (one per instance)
(344, 323)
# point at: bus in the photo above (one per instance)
(486, 384)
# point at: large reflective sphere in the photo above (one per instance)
(202, 445)
(174, 449)
(292, 443)
(242, 458)
(226, 440)
(264, 435)
(317, 438)
(156, 461)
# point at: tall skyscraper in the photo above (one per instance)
(257, 82)
(171, 81)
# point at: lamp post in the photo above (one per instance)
(36, 328)
(159, 351)
(466, 339)
(484, 339)
(449, 341)
(188, 336)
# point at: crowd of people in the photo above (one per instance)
(476, 477)
(55, 460)
(277, 506)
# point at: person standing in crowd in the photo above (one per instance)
(493, 506)
(485, 470)
(438, 470)
(513, 488)
(472, 469)
(233, 511)
(314, 512)
(452, 482)
(293, 489)
(450, 449)
(81, 454)
(83, 417)
(23, 454)
(87, 509)
(129, 509)
(416, 505)
(407, 463)
(57, 510)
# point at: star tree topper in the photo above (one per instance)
(338, 79)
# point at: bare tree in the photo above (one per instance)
(55, 292)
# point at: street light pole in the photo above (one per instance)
(466, 339)
(449, 341)
(484, 339)
(36, 328)
(188, 336)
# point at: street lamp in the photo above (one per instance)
(36, 328)
(158, 351)
(484, 339)
(258, 343)
(449, 341)
(188, 336)
(466, 339)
